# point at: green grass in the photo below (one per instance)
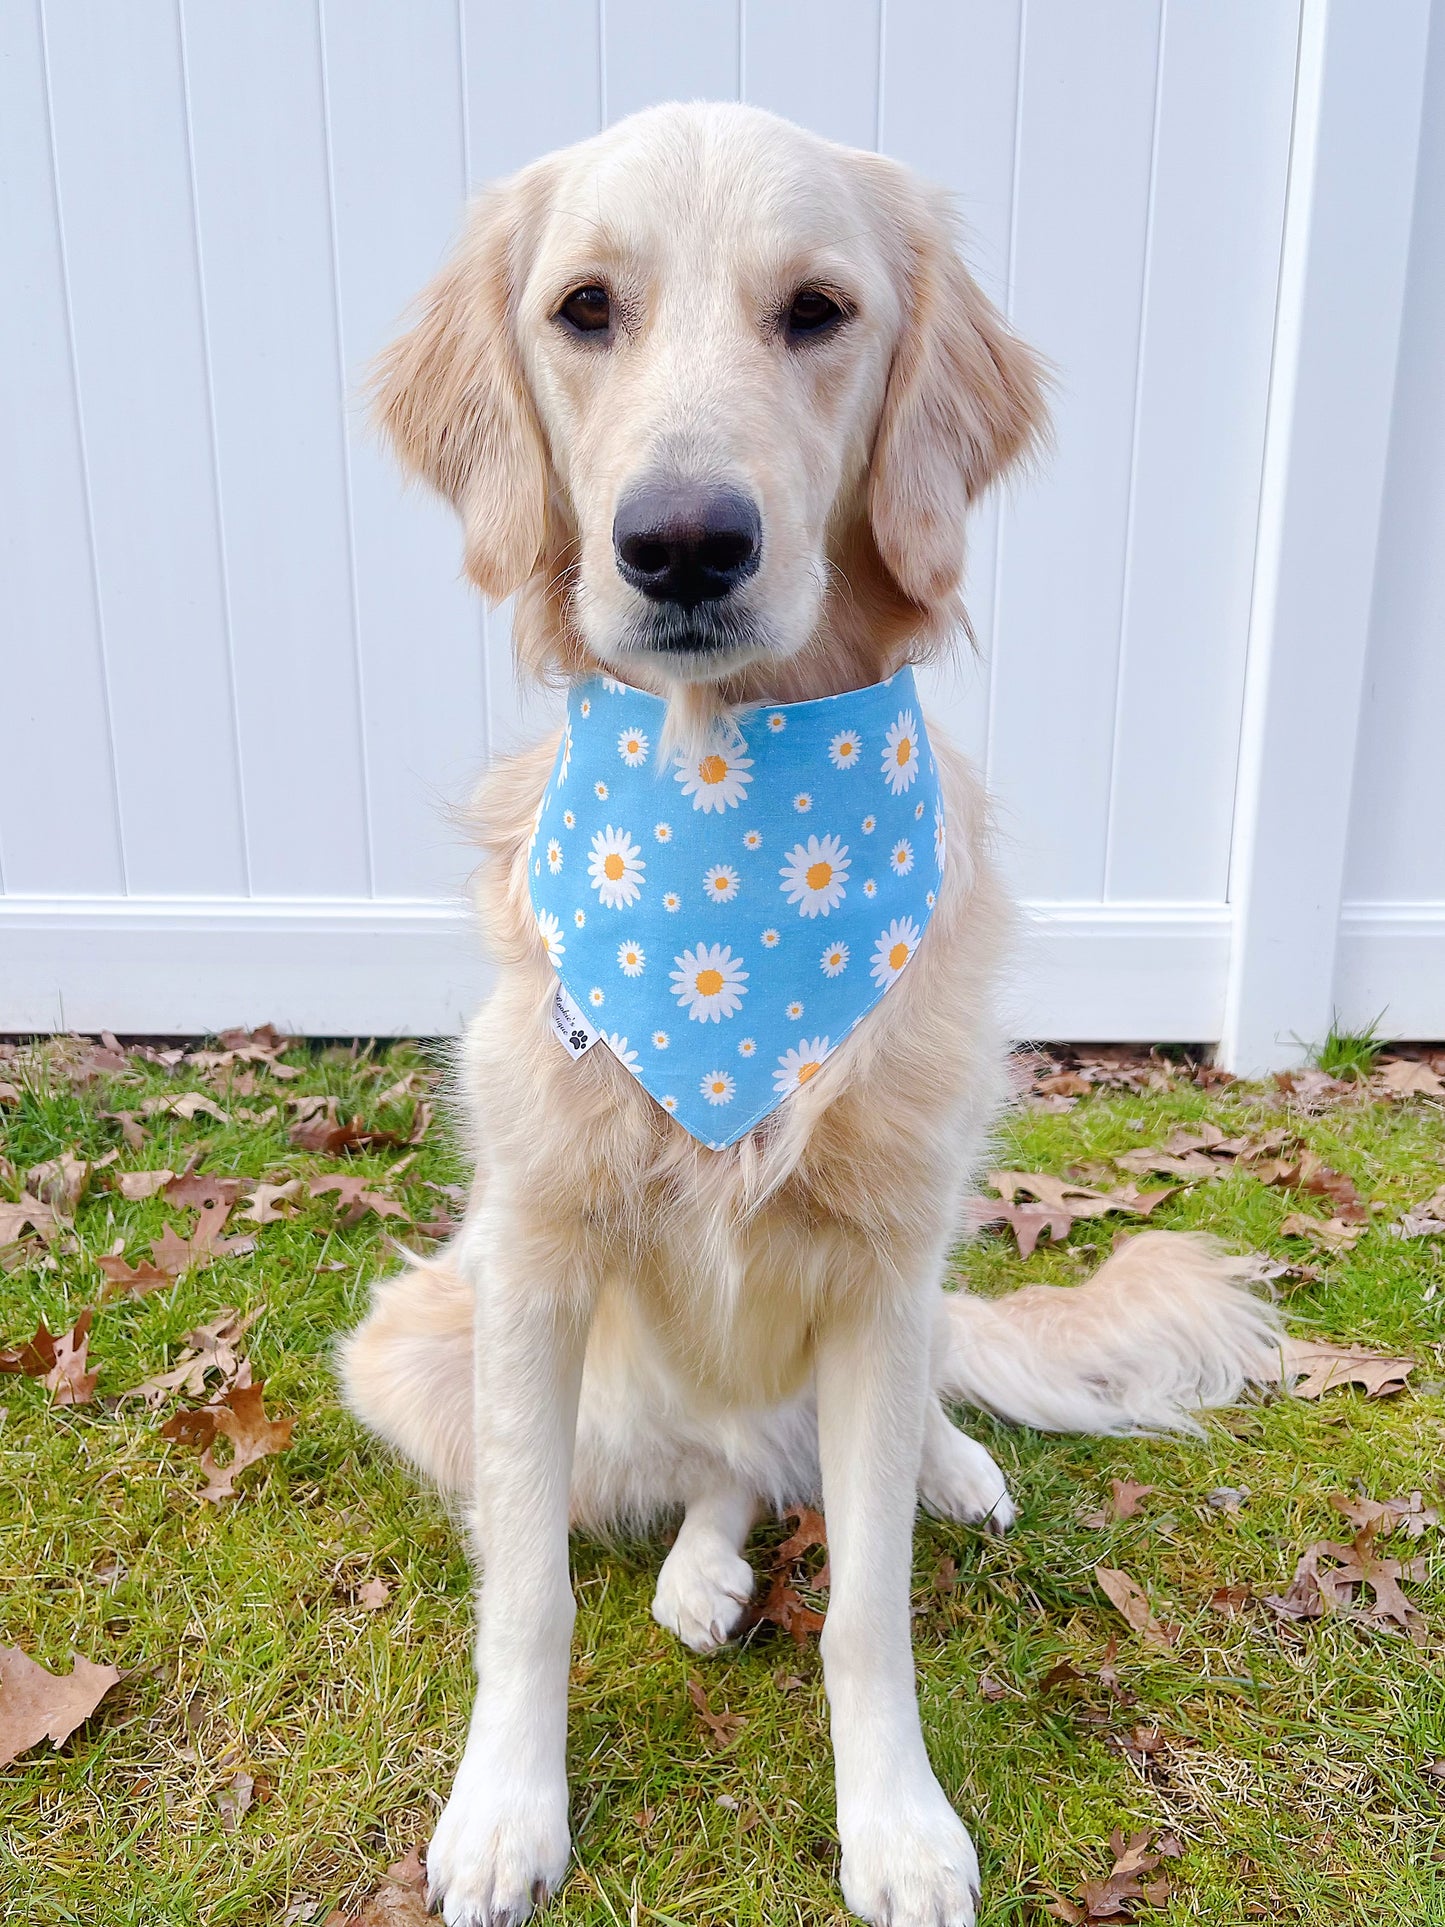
(1292, 1764)
(1350, 1053)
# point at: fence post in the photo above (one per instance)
(1355, 142)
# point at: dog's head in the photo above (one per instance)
(712, 393)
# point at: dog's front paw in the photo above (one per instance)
(500, 1848)
(910, 1867)
(702, 1592)
(959, 1480)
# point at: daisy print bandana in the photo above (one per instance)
(721, 922)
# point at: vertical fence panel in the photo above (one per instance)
(394, 91)
(259, 137)
(678, 53)
(815, 61)
(59, 829)
(1086, 142)
(123, 169)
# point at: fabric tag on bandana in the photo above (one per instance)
(572, 1029)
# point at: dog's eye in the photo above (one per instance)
(587, 311)
(812, 313)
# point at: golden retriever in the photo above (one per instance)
(705, 300)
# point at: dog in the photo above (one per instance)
(713, 398)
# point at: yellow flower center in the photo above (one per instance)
(805, 1071)
(708, 982)
(719, 883)
(712, 769)
(819, 875)
(845, 749)
(718, 1085)
(905, 749)
(612, 866)
(898, 956)
(633, 746)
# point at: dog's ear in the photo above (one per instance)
(452, 399)
(964, 403)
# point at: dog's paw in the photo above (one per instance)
(910, 1867)
(500, 1848)
(702, 1592)
(959, 1480)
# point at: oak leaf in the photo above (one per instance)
(240, 1417)
(39, 1705)
(138, 1185)
(722, 1728)
(1318, 1367)
(68, 1381)
(270, 1203)
(355, 1198)
(1126, 1886)
(1130, 1599)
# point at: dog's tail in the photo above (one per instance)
(406, 1371)
(1167, 1326)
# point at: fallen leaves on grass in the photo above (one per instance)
(171, 1254)
(184, 1104)
(271, 1203)
(372, 1594)
(58, 1361)
(1424, 1220)
(1319, 1587)
(26, 1213)
(209, 1348)
(722, 1728)
(137, 1280)
(1406, 1077)
(1133, 1881)
(234, 1799)
(240, 1417)
(783, 1605)
(1125, 1499)
(39, 1705)
(354, 1198)
(1330, 1234)
(400, 1900)
(1053, 1204)
(60, 1182)
(1130, 1599)
(1384, 1516)
(1318, 1367)
(321, 1127)
(1205, 1152)
(139, 1185)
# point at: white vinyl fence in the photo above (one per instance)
(241, 679)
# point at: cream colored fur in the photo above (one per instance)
(627, 1325)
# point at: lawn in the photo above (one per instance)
(1291, 1760)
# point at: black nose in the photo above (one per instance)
(684, 543)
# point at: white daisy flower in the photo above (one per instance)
(537, 868)
(802, 802)
(587, 706)
(613, 686)
(870, 888)
(663, 832)
(720, 883)
(595, 997)
(747, 1048)
(554, 855)
(630, 959)
(550, 931)
(599, 790)
(668, 1103)
(672, 901)
(893, 949)
(900, 857)
(815, 875)
(870, 824)
(834, 960)
(632, 748)
(566, 763)
(796, 1066)
(752, 839)
(776, 723)
(940, 834)
(794, 1011)
(709, 982)
(660, 1040)
(717, 1087)
(843, 751)
(716, 780)
(771, 940)
(579, 917)
(615, 869)
(618, 1047)
(900, 757)
(930, 899)
(918, 811)
(569, 819)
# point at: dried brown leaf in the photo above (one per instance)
(1130, 1599)
(355, 1198)
(270, 1203)
(68, 1381)
(240, 1417)
(1318, 1367)
(722, 1728)
(39, 1705)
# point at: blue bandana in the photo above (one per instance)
(722, 922)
